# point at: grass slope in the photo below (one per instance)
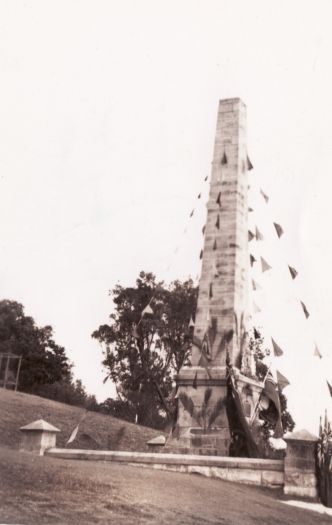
(97, 431)
(42, 490)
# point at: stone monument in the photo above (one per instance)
(222, 309)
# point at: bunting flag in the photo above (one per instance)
(192, 213)
(201, 254)
(270, 390)
(276, 349)
(215, 244)
(265, 197)
(317, 352)
(238, 423)
(147, 310)
(279, 229)
(282, 381)
(251, 236)
(306, 313)
(195, 382)
(199, 196)
(292, 271)
(252, 260)
(259, 236)
(74, 433)
(191, 323)
(250, 210)
(257, 310)
(203, 229)
(224, 159)
(218, 222)
(257, 335)
(329, 387)
(210, 291)
(255, 285)
(265, 266)
(206, 178)
(218, 201)
(249, 165)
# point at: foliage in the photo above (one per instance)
(70, 392)
(43, 361)
(206, 416)
(143, 354)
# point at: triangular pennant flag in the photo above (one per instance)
(265, 265)
(201, 254)
(252, 260)
(250, 210)
(317, 352)
(215, 244)
(255, 285)
(282, 381)
(195, 382)
(199, 196)
(191, 323)
(218, 201)
(249, 165)
(259, 236)
(279, 229)
(292, 271)
(73, 435)
(224, 159)
(203, 229)
(256, 334)
(276, 349)
(206, 178)
(329, 387)
(256, 308)
(306, 313)
(147, 310)
(218, 222)
(210, 291)
(251, 236)
(265, 197)
(192, 213)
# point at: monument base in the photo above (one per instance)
(202, 424)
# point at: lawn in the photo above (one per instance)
(43, 490)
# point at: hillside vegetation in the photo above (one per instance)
(96, 431)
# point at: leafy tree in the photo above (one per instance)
(143, 353)
(43, 361)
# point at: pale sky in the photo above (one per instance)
(107, 122)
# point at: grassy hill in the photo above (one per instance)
(97, 431)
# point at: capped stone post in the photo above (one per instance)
(37, 437)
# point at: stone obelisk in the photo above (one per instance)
(222, 308)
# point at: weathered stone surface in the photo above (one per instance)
(300, 465)
(38, 437)
(225, 266)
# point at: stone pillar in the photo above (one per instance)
(37, 437)
(221, 315)
(300, 465)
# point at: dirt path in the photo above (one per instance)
(40, 491)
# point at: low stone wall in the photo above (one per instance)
(261, 472)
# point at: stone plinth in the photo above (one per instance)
(38, 437)
(300, 465)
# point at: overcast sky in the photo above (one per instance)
(107, 121)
